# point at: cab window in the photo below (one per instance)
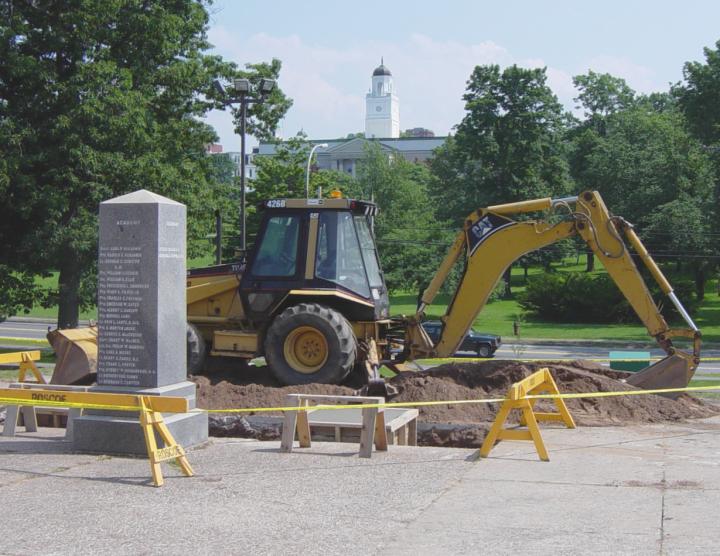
(277, 255)
(338, 257)
(368, 252)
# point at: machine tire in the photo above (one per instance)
(196, 350)
(309, 343)
(483, 350)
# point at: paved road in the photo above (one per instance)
(536, 351)
(34, 330)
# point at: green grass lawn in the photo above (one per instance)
(498, 316)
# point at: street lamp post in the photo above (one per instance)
(244, 97)
(307, 173)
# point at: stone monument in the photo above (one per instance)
(141, 320)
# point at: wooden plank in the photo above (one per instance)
(535, 433)
(303, 429)
(513, 434)
(11, 419)
(289, 424)
(367, 433)
(381, 442)
(323, 398)
(412, 432)
(163, 404)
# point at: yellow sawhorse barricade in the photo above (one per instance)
(540, 382)
(149, 407)
(26, 361)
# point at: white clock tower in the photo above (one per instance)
(382, 108)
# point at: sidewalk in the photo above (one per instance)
(632, 490)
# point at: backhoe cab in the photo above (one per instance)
(309, 296)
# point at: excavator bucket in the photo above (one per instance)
(76, 355)
(672, 372)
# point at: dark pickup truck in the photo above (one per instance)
(484, 345)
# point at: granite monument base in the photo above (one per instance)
(119, 432)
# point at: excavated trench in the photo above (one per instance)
(453, 425)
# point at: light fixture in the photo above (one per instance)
(266, 86)
(242, 86)
(218, 87)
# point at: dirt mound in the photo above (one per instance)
(464, 424)
(491, 379)
(226, 395)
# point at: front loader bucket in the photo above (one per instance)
(76, 355)
(672, 372)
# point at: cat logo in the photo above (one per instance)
(484, 228)
(481, 227)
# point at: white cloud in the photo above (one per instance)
(328, 85)
(640, 78)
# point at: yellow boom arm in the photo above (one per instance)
(492, 241)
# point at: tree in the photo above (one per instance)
(698, 100)
(410, 241)
(98, 99)
(508, 146)
(283, 175)
(600, 95)
(652, 172)
(698, 96)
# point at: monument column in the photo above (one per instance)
(141, 321)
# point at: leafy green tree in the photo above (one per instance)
(283, 176)
(508, 146)
(410, 241)
(99, 98)
(600, 95)
(698, 96)
(651, 171)
(698, 99)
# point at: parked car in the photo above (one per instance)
(485, 345)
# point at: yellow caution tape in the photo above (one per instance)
(460, 402)
(320, 407)
(549, 358)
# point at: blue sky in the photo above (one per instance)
(329, 50)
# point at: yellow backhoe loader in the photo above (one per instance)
(310, 296)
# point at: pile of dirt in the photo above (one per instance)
(492, 379)
(253, 387)
(462, 425)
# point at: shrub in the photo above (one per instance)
(584, 298)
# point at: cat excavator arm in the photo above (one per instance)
(491, 241)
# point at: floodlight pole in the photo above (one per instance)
(243, 90)
(243, 118)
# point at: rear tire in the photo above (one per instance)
(310, 343)
(196, 350)
(483, 350)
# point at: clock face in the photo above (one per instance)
(378, 108)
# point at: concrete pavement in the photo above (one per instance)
(643, 490)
